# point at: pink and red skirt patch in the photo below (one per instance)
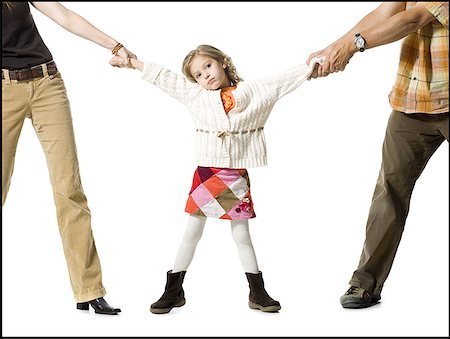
(222, 193)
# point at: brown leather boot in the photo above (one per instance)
(173, 295)
(259, 298)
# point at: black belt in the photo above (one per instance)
(31, 72)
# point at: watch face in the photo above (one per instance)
(359, 42)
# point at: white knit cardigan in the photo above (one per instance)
(236, 139)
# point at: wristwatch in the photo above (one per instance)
(360, 42)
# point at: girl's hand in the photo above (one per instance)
(315, 72)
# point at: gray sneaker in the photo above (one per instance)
(357, 297)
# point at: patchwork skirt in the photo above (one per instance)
(222, 193)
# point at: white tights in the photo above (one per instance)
(194, 230)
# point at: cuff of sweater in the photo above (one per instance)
(316, 60)
(150, 71)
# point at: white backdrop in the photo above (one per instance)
(312, 200)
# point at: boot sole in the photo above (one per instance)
(254, 306)
(167, 309)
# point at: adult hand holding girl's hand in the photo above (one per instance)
(336, 57)
(133, 63)
(126, 55)
(117, 61)
(315, 72)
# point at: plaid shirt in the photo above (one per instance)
(421, 85)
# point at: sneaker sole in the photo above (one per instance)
(358, 304)
(263, 308)
(167, 309)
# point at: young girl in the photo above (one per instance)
(229, 116)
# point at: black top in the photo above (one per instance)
(22, 45)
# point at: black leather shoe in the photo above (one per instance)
(99, 305)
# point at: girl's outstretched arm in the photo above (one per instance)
(177, 86)
(137, 64)
(285, 82)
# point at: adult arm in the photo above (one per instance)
(389, 22)
(78, 25)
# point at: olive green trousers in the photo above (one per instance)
(410, 141)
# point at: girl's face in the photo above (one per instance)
(208, 72)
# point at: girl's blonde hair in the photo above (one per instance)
(217, 55)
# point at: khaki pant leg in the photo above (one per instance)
(410, 141)
(52, 122)
(15, 107)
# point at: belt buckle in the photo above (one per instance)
(36, 72)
